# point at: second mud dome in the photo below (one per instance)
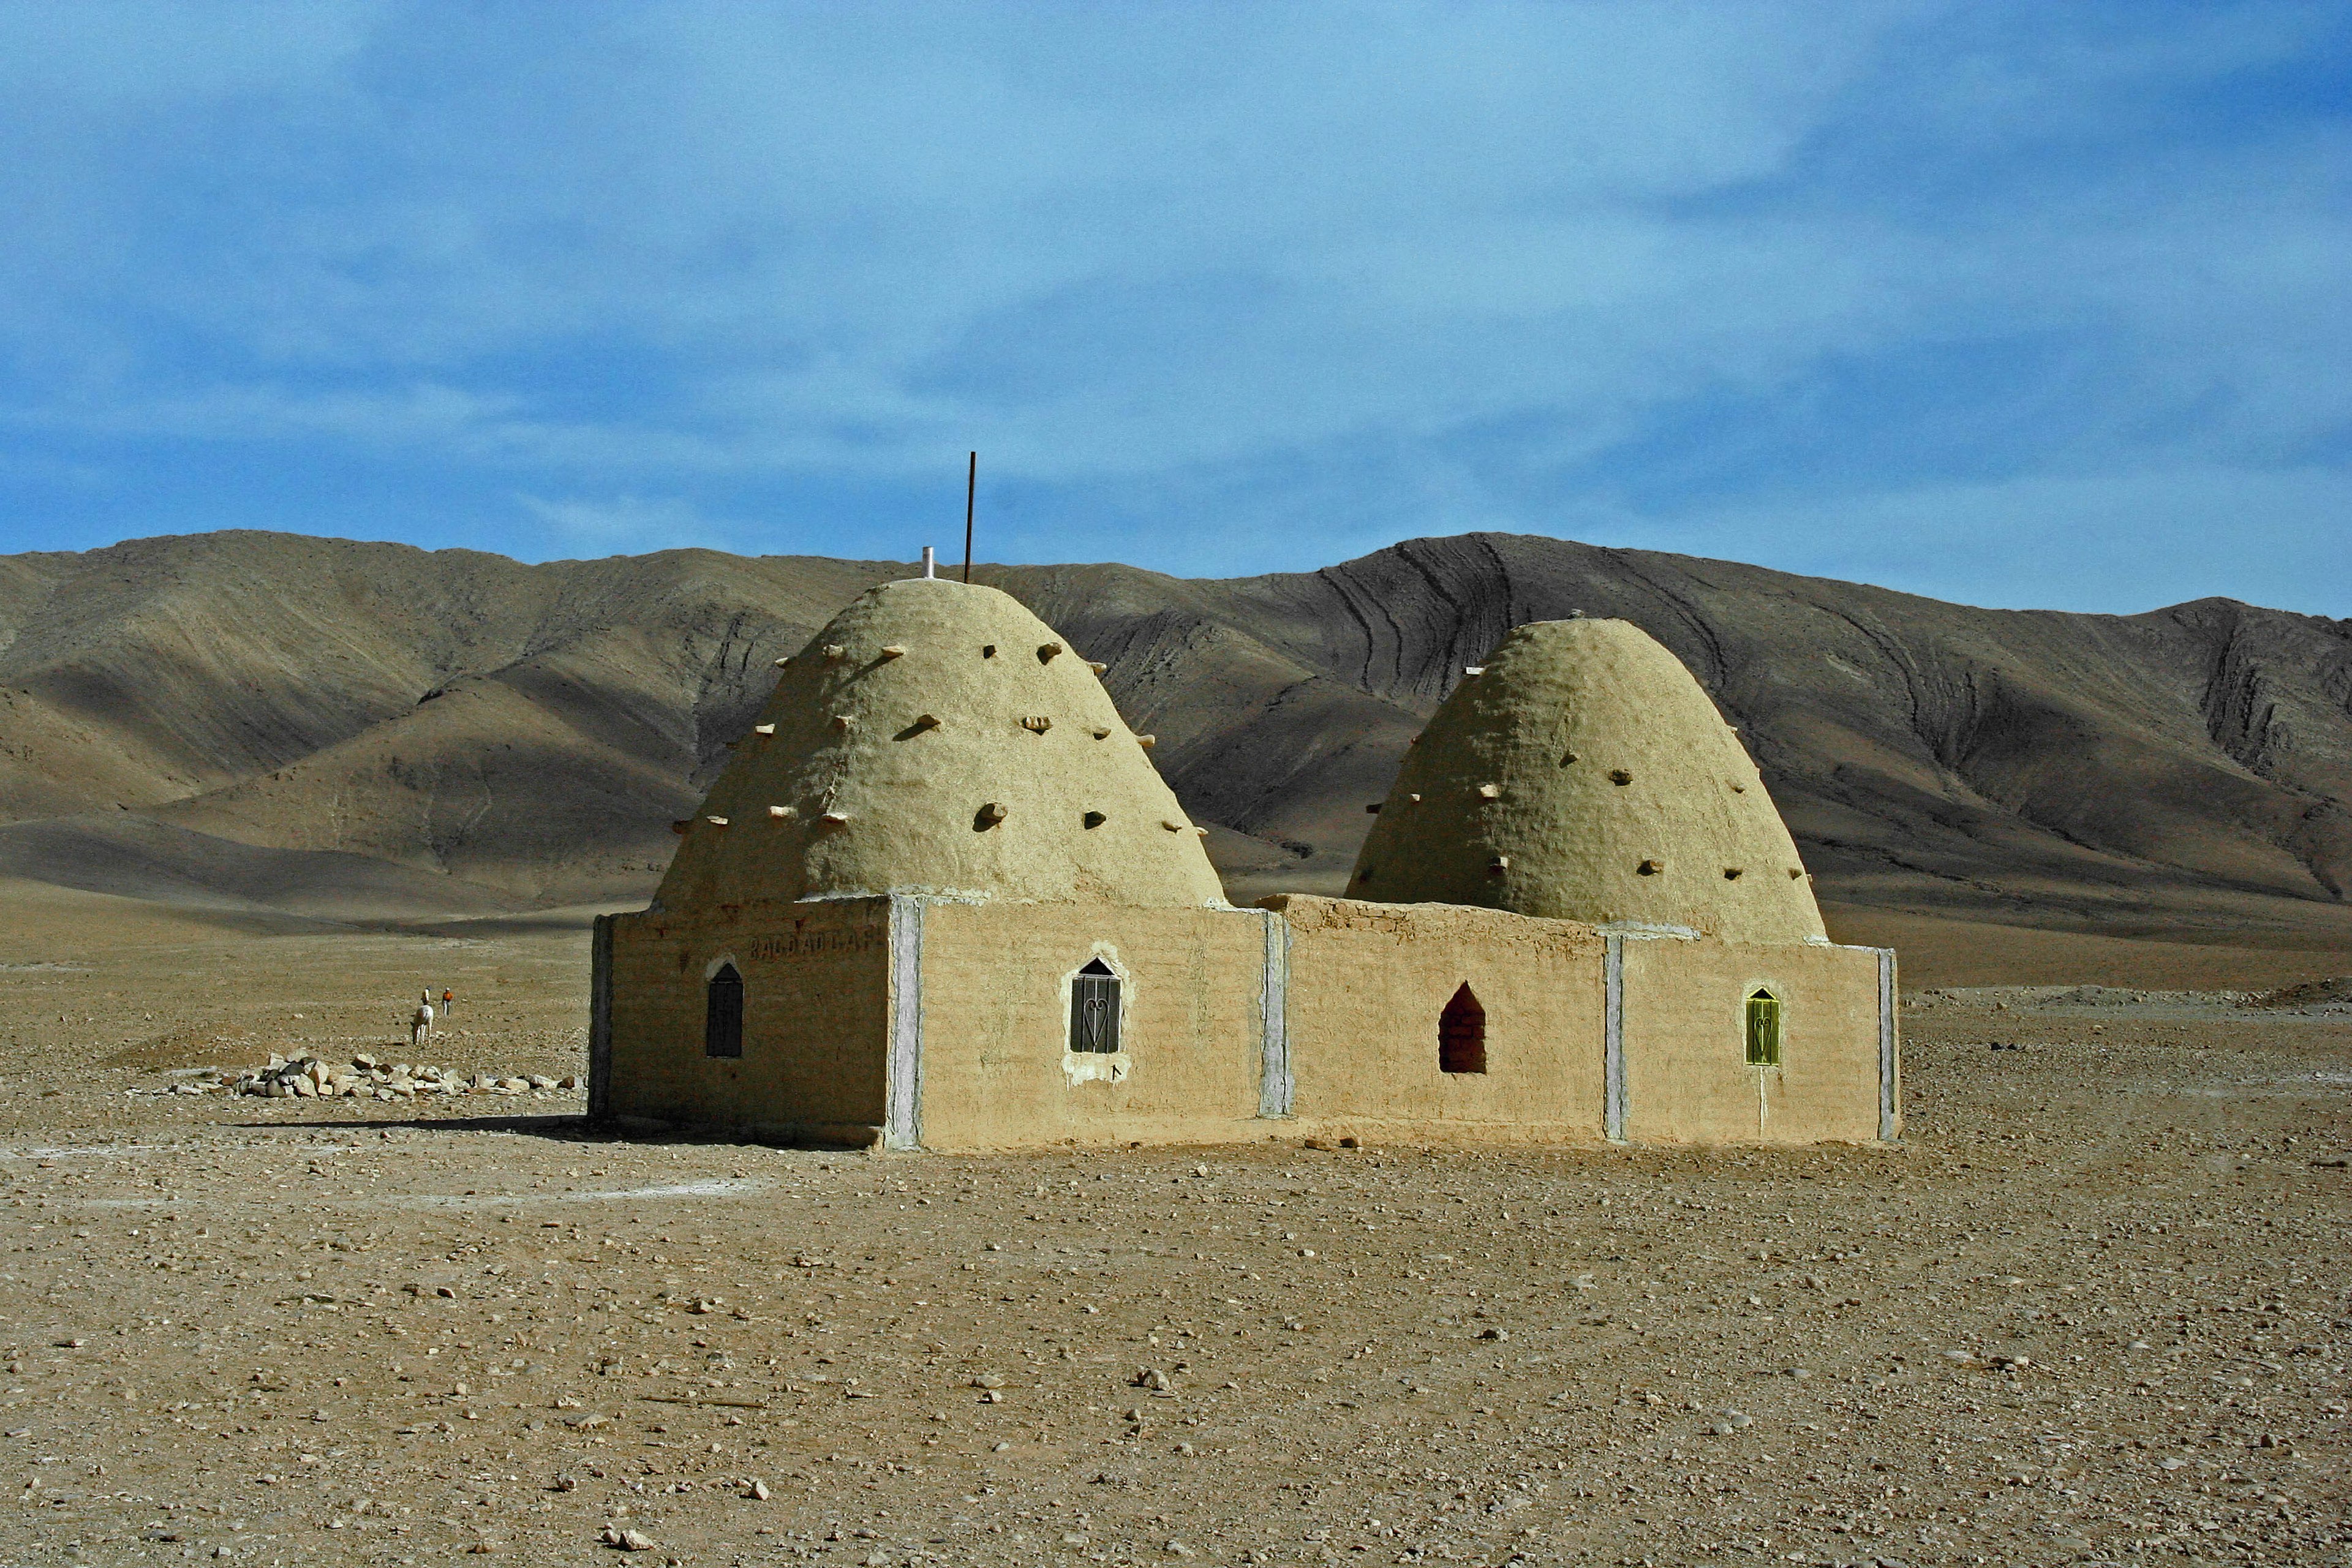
(941, 900)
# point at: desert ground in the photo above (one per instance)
(2094, 1308)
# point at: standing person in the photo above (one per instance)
(420, 1025)
(448, 1002)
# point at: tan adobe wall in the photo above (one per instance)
(1367, 984)
(1686, 1077)
(816, 1017)
(996, 1011)
(936, 737)
(946, 1023)
(1585, 775)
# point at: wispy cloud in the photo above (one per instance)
(1213, 289)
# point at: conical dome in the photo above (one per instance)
(1583, 775)
(937, 737)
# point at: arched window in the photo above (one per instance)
(722, 1013)
(1094, 1009)
(1461, 1034)
(1763, 1028)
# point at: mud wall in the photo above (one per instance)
(816, 1019)
(1367, 984)
(1686, 1077)
(946, 1024)
(997, 1072)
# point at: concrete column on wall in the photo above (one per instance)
(1889, 1064)
(1613, 1100)
(600, 1020)
(1274, 1081)
(902, 1114)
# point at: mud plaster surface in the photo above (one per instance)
(1584, 774)
(264, 1341)
(964, 747)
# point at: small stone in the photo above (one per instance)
(759, 1492)
(628, 1540)
(989, 1379)
(1494, 1333)
(1001, 1448)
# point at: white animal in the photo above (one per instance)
(420, 1026)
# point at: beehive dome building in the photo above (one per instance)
(940, 899)
(938, 738)
(1582, 773)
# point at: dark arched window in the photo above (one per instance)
(1461, 1034)
(1094, 1008)
(1763, 1028)
(722, 1013)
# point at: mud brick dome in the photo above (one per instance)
(938, 738)
(1583, 775)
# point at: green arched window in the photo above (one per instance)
(1763, 1029)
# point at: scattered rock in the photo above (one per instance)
(364, 1076)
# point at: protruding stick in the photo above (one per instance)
(970, 486)
(929, 571)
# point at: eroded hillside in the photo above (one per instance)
(334, 727)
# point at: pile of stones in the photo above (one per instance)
(308, 1077)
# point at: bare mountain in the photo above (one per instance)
(250, 720)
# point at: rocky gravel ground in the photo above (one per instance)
(2093, 1310)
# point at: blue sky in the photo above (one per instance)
(2020, 304)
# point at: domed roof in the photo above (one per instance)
(937, 737)
(1584, 774)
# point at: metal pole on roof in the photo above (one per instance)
(971, 485)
